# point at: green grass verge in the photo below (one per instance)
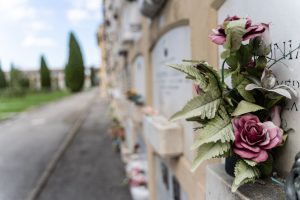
(12, 105)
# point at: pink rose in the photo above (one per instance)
(253, 139)
(219, 36)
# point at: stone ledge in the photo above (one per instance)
(218, 187)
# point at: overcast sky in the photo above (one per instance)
(29, 28)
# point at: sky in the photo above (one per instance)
(30, 28)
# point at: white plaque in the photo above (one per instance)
(285, 34)
(171, 90)
(139, 76)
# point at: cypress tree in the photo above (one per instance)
(3, 83)
(93, 77)
(15, 76)
(45, 74)
(74, 71)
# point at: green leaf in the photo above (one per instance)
(212, 74)
(240, 82)
(208, 151)
(244, 173)
(250, 162)
(203, 106)
(260, 48)
(232, 62)
(245, 94)
(228, 72)
(266, 167)
(273, 99)
(261, 62)
(192, 73)
(234, 37)
(228, 100)
(206, 104)
(217, 129)
(244, 55)
(225, 54)
(236, 23)
(246, 107)
(190, 77)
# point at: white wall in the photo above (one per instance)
(285, 30)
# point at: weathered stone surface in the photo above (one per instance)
(163, 134)
(218, 187)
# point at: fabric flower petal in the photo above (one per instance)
(262, 157)
(245, 153)
(254, 149)
(217, 38)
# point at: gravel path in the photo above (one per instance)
(89, 169)
(29, 140)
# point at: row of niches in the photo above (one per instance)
(130, 18)
(167, 84)
(171, 91)
(169, 140)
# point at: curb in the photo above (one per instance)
(42, 181)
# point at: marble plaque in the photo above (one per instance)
(139, 76)
(285, 33)
(171, 90)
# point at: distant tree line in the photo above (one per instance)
(74, 72)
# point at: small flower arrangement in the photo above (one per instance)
(136, 172)
(149, 111)
(134, 97)
(240, 119)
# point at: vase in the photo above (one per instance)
(230, 164)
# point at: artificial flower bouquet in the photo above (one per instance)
(241, 118)
(133, 96)
(149, 111)
(117, 132)
(136, 171)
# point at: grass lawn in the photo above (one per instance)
(12, 105)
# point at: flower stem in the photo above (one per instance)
(223, 75)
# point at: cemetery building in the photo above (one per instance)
(138, 39)
(57, 78)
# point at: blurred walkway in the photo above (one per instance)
(89, 169)
(29, 141)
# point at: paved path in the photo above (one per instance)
(89, 169)
(29, 141)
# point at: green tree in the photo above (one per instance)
(93, 77)
(74, 71)
(15, 76)
(24, 82)
(45, 74)
(3, 82)
(19, 82)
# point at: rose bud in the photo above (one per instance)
(268, 79)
